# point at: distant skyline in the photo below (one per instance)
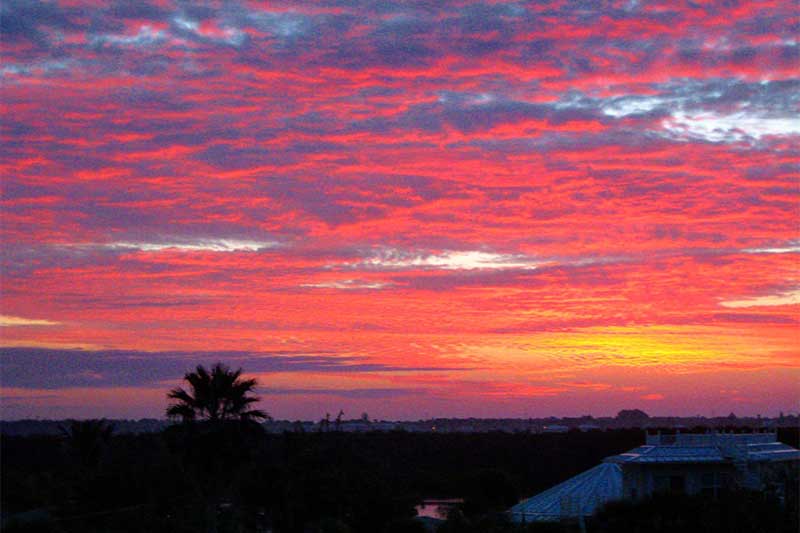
(411, 209)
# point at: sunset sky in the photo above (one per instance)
(413, 209)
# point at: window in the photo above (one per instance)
(714, 482)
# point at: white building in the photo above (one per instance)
(681, 463)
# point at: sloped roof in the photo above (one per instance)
(579, 495)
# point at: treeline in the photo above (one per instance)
(234, 477)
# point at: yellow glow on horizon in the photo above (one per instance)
(678, 349)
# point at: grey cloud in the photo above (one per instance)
(46, 368)
(373, 393)
(25, 20)
(140, 9)
(398, 34)
(772, 171)
(471, 113)
(126, 302)
(752, 318)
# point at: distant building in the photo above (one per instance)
(555, 428)
(679, 463)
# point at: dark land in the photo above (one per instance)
(625, 419)
(233, 477)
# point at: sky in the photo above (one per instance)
(410, 209)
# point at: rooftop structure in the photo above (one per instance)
(709, 448)
(683, 463)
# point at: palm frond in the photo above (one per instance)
(181, 410)
(181, 395)
(218, 394)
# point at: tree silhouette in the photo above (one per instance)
(219, 395)
(87, 440)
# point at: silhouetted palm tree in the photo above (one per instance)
(215, 452)
(218, 395)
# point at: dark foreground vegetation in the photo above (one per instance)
(230, 476)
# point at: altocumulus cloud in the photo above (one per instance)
(197, 245)
(178, 166)
(784, 298)
(392, 259)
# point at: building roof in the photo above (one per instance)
(773, 451)
(579, 495)
(709, 448)
(670, 454)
